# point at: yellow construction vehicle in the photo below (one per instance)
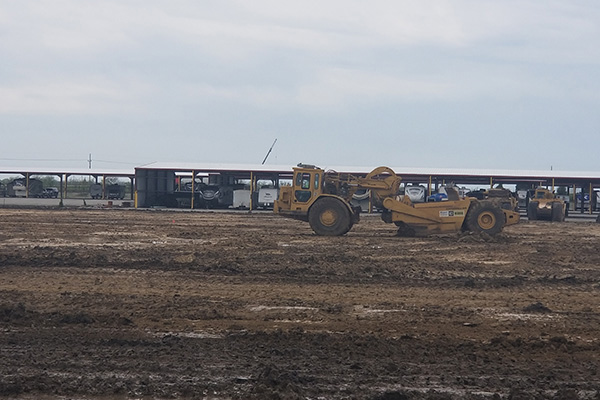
(544, 205)
(323, 200)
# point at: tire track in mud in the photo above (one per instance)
(121, 304)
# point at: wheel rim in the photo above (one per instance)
(486, 220)
(328, 217)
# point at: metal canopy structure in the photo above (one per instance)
(64, 174)
(477, 175)
(155, 180)
(69, 171)
(161, 184)
(150, 183)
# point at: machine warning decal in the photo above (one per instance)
(452, 213)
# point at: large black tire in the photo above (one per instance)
(532, 210)
(558, 213)
(484, 217)
(329, 217)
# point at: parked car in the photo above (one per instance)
(415, 193)
(441, 195)
(208, 196)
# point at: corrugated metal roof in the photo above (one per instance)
(68, 171)
(466, 172)
(216, 167)
(286, 169)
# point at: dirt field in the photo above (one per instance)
(117, 304)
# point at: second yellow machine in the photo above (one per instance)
(323, 200)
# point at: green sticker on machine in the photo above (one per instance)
(452, 213)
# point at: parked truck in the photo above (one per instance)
(22, 187)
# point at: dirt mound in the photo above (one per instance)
(537, 308)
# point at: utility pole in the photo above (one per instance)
(90, 161)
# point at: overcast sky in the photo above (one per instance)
(425, 83)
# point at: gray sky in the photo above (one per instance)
(424, 83)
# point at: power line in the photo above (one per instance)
(116, 162)
(42, 159)
(69, 160)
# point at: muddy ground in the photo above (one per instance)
(119, 304)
